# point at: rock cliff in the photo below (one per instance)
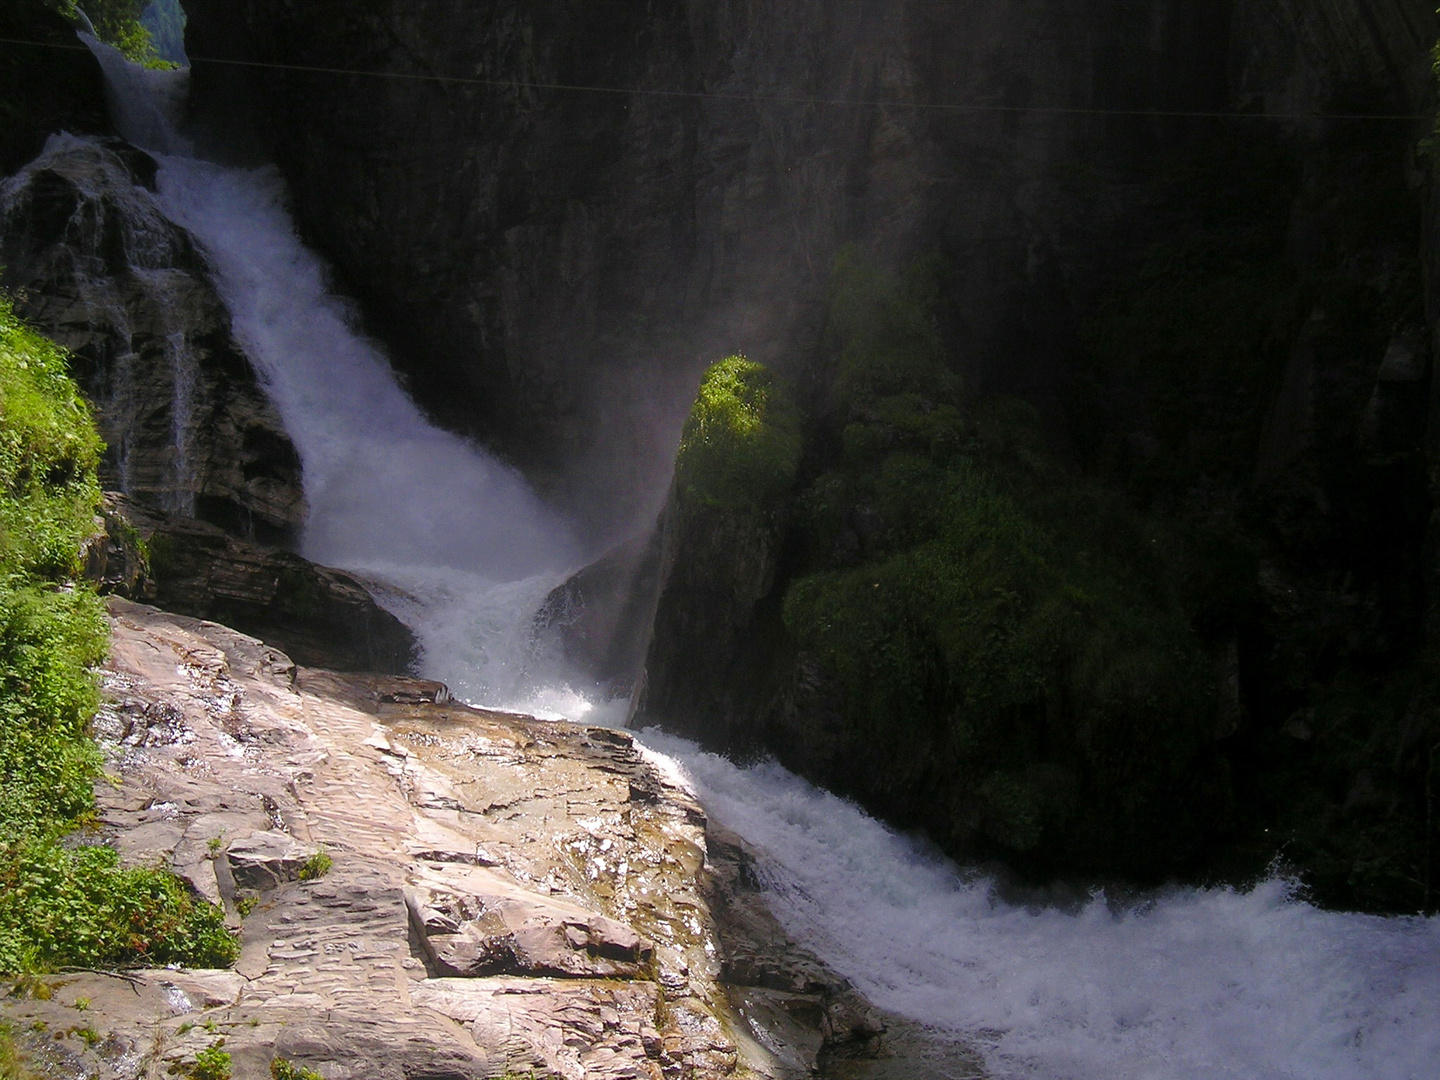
(554, 261)
(1191, 235)
(98, 268)
(47, 83)
(503, 896)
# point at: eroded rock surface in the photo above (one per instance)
(506, 896)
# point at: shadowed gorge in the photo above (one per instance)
(573, 463)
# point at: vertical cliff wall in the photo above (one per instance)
(553, 266)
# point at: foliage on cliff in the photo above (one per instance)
(116, 22)
(1010, 639)
(61, 904)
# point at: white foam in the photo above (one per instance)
(1192, 984)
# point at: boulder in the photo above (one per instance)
(320, 616)
(473, 923)
(266, 860)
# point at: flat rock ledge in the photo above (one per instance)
(505, 896)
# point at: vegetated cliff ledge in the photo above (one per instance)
(504, 896)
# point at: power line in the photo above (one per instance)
(777, 99)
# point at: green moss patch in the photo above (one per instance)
(741, 444)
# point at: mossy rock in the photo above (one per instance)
(741, 446)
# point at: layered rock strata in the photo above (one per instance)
(506, 896)
(95, 266)
(318, 614)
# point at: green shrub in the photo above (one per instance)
(741, 445)
(280, 1069)
(1013, 639)
(117, 23)
(77, 906)
(316, 866)
(212, 1063)
(63, 905)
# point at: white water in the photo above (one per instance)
(1194, 984)
(467, 548)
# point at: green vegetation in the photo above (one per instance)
(211, 1063)
(280, 1069)
(63, 904)
(1013, 638)
(316, 866)
(51, 631)
(117, 23)
(741, 444)
(79, 906)
(12, 1063)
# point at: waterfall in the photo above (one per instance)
(1184, 985)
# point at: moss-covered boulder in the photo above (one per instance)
(721, 531)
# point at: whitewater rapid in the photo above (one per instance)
(1190, 984)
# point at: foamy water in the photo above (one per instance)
(1197, 983)
(1193, 984)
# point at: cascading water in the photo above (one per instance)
(1196, 983)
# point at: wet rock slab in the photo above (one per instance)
(507, 895)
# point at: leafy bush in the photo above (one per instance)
(1012, 639)
(741, 444)
(280, 1069)
(117, 23)
(51, 631)
(316, 866)
(212, 1063)
(78, 906)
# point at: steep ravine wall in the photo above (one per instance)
(553, 267)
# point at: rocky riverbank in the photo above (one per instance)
(505, 895)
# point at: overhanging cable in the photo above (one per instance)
(777, 99)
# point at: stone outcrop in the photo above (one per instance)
(505, 895)
(98, 268)
(601, 615)
(318, 614)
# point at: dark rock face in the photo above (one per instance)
(572, 259)
(320, 616)
(601, 614)
(554, 266)
(48, 82)
(99, 269)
